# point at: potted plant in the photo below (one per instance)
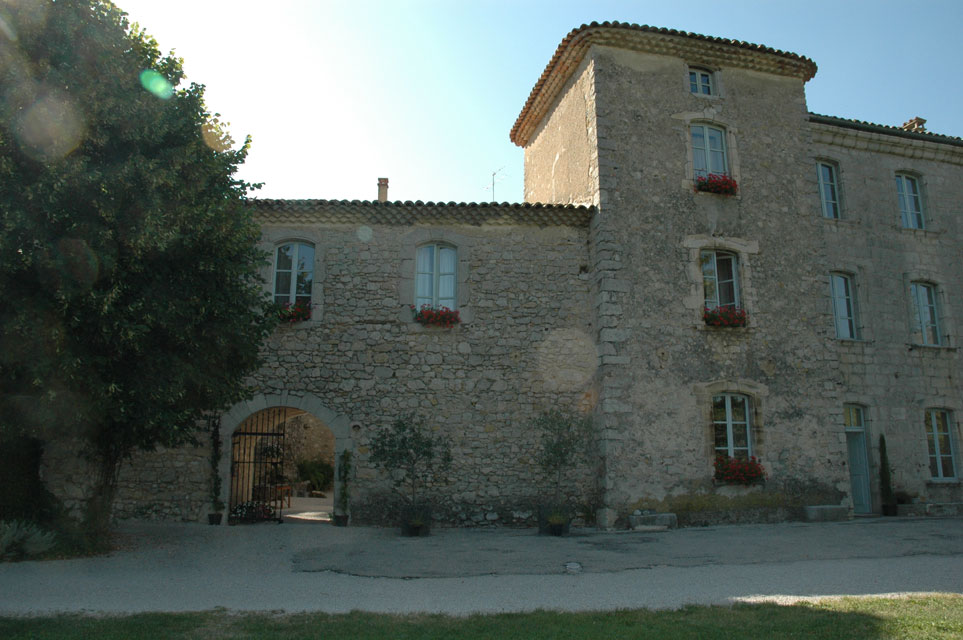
(565, 440)
(887, 497)
(440, 317)
(344, 473)
(735, 471)
(417, 459)
(728, 316)
(716, 183)
(217, 506)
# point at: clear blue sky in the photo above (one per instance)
(425, 92)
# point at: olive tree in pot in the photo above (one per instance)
(217, 506)
(416, 459)
(344, 474)
(565, 438)
(888, 498)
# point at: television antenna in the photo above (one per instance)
(494, 181)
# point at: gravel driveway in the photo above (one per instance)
(290, 567)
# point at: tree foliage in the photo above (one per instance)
(129, 278)
(414, 456)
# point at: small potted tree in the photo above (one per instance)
(217, 506)
(417, 459)
(887, 496)
(344, 473)
(565, 441)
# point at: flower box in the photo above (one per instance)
(297, 312)
(429, 316)
(716, 183)
(734, 471)
(725, 317)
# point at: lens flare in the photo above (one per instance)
(156, 84)
(364, 233)
(50, 128)
(567, 359)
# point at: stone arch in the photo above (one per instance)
(230, 420)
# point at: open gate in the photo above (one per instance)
(258, 485)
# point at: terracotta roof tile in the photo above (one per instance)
(370, 212)
(861, 125)
(573, 47)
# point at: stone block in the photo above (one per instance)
(826, 513)
(667, 520)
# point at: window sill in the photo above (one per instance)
(842, 222)
(711, 328)
(942, 482)
(922, 233)
(931, 348)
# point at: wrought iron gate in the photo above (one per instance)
(258, 486)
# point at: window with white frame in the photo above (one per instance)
(708, 151)
(720, 279)
(853, 417)
(700, 82)
(926, 314)
(436, 268)
(910, 202)
(731, 425)
(829, 189)
(939, 441)
(844, 306)
(293, 273)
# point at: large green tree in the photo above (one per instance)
(130, 301)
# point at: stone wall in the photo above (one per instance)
(524, 346)
(884, 372)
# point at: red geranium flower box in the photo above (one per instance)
(716, 183)
(440, 317)
(725, 317)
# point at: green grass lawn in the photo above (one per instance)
(917, 618)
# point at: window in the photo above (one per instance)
(436, 268)
(939, 441)
(926, 320)
(730, 424)
(700, 82)
(708, 151)
(844, 306)
(293, 273)
(720, 279)
(910, 202)
(829, 189)
(853, 417)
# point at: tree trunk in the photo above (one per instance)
(97, 517)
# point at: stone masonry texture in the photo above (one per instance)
(592, 301)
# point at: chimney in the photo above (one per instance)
(915, 125)
(382, 189)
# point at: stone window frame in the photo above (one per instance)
(715, 89)
(756, 392)
(709, 117)
(926, 279)
(954, 456)
(742, 249)
(854, 294)
(924, 222)
(271, 240)
(410, 243)
(837, 184)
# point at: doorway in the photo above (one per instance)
(858, 459)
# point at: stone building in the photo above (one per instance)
(834, 245)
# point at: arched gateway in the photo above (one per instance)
(253, 433)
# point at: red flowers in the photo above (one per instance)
(735, 471)
(728, 316)
(294, 313)
(716, 183)
(429, 316)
